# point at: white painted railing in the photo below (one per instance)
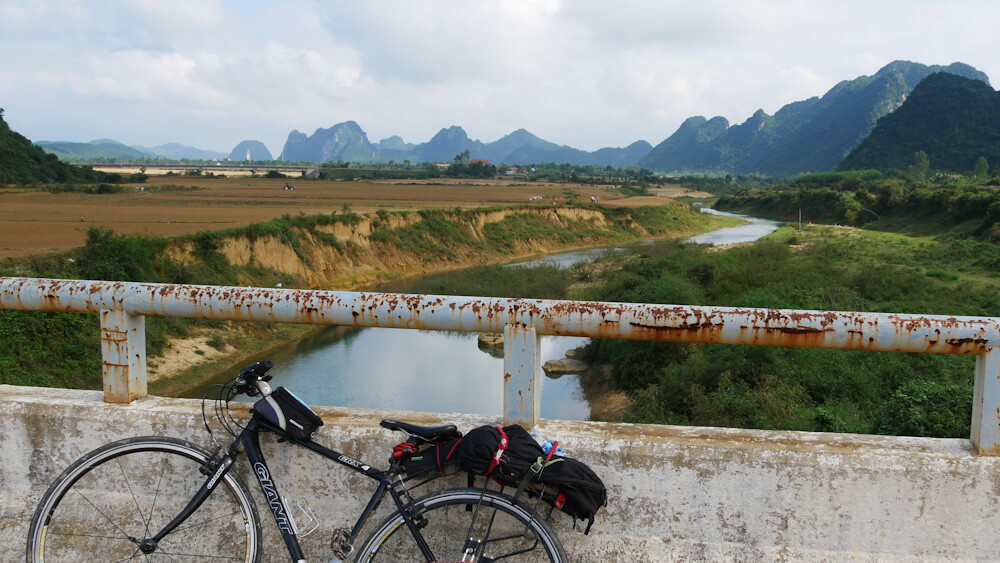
(123, 307)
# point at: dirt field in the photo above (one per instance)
(34, 222)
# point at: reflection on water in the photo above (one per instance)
(753, 230)
(569, 259)
(421, 370)
(434, 371)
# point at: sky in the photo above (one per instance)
(586, 73)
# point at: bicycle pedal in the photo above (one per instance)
(342, 543)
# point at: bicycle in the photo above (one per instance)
(168, 499)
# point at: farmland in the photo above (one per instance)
(35, 222)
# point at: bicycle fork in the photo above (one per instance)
(215, 472)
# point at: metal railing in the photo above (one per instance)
(123, 307)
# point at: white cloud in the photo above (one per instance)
(583, 73)
(443, 40)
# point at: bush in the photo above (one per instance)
(802, 388)
(109, 256)
(927, 408)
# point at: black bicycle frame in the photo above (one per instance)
(249, 440)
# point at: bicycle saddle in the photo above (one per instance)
(429, 433)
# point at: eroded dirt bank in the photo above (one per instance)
(370, 249)
(373, 248)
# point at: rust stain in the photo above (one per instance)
(584, 318)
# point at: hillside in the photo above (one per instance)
(99, 150)
(111, 150)
(952, 119)
(21, 162)
(177, 151)
(811, 135)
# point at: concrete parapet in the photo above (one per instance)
(676, 493)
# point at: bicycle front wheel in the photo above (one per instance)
(466, 525)
(107, 502)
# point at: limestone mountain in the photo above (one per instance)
(394, 143)
(811, 135)
(689, 147)
(255, 149)
(446, 144)
(953, 119)
(342, 142)
(348, 142)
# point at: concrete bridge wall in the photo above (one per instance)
(676, 493)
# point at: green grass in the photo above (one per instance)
(820, 268)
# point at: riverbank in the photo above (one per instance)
(188, 361)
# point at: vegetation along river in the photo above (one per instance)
(441, 371)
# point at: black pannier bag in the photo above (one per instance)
(511, 456)
(286, 411)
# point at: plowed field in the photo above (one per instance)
(33, 222)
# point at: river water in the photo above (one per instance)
(754, 229)
(440, 371)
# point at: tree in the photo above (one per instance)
(982, 168)
(892, 194)
(463, 157)
(921, 166)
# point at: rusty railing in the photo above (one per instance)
(123, 307)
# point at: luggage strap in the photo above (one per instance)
(501, 448)
(535, 473)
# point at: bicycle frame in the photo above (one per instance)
(249, 442)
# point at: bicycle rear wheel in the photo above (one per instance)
(489, 524)
(107, 502)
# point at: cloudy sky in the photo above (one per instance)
(587, 73)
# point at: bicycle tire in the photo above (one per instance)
(110, 499)
(504, 528)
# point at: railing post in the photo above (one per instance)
(986, 404)
(521, 366)
(123, 350)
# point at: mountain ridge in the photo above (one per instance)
(177, 151)
(952, 119)
(811, 135)
(348, 142)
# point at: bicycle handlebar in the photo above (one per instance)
(252, 379)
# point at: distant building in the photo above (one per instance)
(513, 170)
(442, 165)
(479, 161)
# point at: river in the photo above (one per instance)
(754, 229)
(440, 371)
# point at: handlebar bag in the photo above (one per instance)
(286, 411)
